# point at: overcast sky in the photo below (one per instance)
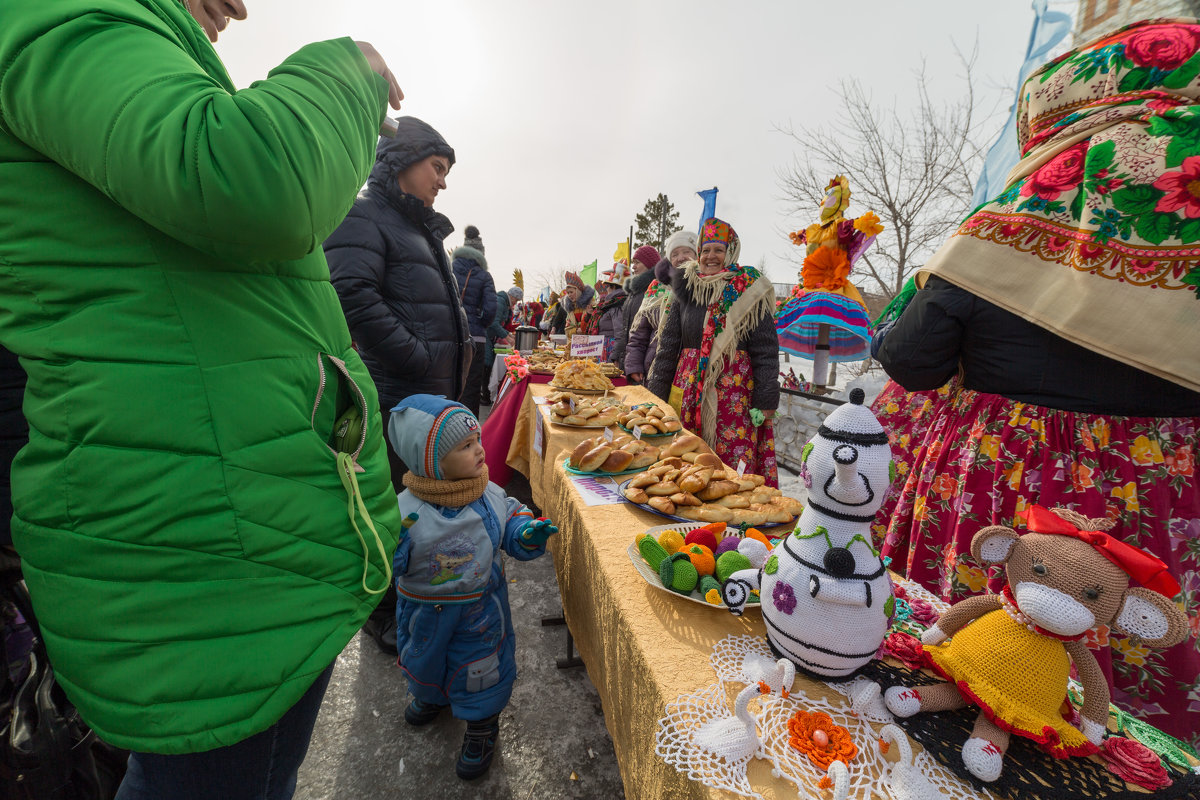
(567, 116)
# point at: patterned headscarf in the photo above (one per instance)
(1101, 218)
(715, 230)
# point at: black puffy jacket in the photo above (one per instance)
(635, 289)
(14, 432)
(1002, 353)
(394, 280)
(476, 288)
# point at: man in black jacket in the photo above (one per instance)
(398, 292)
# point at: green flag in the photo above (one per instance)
(588, 273)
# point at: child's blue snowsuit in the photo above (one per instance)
(454, 629)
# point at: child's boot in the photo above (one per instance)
(479, 745)
(419, 713)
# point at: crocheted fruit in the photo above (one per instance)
(671, 541)
(702, 558)
(755, 533)
(703, 536)
(710, 590)
(729, 563)
(754, 550)
(677, 573)
(652, 551)
(730, 542)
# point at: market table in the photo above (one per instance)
(643, 647)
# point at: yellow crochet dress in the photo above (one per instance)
(1018, 677)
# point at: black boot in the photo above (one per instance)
(419, 713)
(478, 747)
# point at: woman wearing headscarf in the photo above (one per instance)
(604, 318)
(648, 311)
(718, 354)
(1067, 309)
(567, 314)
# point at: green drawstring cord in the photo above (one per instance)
(346, 472)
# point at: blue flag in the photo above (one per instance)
(710, 206)
(1049, 28)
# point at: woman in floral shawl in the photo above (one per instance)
(718, 353)
(1065, 311)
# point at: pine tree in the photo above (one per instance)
(656, 223)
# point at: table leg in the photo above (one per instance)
(572, 658)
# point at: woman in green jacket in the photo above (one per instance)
(181, 507)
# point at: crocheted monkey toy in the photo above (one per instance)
(1011, 654)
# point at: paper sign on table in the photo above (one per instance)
(741, 467)
(608, 434)
(541, 400)
(637, 432)
(539, 435)
(584, 346)
(597, 491)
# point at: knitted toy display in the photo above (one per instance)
(1011, 654)
(826, 318)
(826, 597)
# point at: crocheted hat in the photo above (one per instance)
(647, 255)
(424, 428)
(471, 238)
(679, 239)
(573, 279)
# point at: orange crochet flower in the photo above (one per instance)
(836, 743)
(825, 268)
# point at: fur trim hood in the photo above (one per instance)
(471, 254)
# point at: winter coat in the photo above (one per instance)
(14, 432)
(475, 288)
(180, 515)
(454, 624)
(635, 291)
(608, 314)
(683, 328)
(565, 311)
(643, 332)
(1001, 353)
(395, 282)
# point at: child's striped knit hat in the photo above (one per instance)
(424, 428)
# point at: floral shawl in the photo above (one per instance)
(1097, 237)
(737, 300)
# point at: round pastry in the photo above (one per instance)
(580, 451)
(617, 461)
(603, 420)
(672, 425)
(686, 443)
(644, 458)
(574, 419)
(587, 412)
(709, 460)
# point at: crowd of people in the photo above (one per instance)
(251, 392)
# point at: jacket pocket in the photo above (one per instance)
(484, 673)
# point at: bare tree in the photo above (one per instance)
(915, 169)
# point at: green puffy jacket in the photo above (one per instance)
(182, 518)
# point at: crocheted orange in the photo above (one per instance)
(702, 558)
(839, 746)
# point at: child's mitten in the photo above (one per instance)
(537, 532)
(407, 523)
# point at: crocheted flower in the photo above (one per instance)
(1182, 189)
(817, 736)
(784, 597)
(825, 268)
(905, 648)
(1162, 46)
(1134, 762)
(868, 224)
(1060, 174)
(923, 611)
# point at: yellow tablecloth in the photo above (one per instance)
(643, 647)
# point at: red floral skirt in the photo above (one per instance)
(736, 438)
(966, 460)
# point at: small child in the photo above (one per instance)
(453, 625)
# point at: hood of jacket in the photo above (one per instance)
(637, 284)
(470, 254)
(415, 140)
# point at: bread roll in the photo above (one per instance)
(662, 504)
(745, 485)
(642, 480)
(561, 409)
(788, 504)
(617, 461)
(732, 501)
(580, 451)
(759, 496)
(573, 419)
(717, 489)
(587, 412)
(775, 514)
(696, 480)
(660, 469)
(643, 459)
(656, 412)
(636, 496)
(706, 513)
(672, 425)
(647, 428)
(658, 424)
(604, 420)
(670, 475)
(759, 480)
(671, 461)
(748, 517)
(593, 458)
(685, 444)
(686, 499)
(709, 460)
(664, 489)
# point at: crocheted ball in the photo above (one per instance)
(677, 573)
(702, 558)
(729, 543)
(671, 541)
(702, 536)
(729, 563)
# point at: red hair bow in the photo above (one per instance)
(1146, 569)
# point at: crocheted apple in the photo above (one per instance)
(1010, 654)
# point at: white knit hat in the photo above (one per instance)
(679, 239)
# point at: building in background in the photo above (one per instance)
(1097, 17)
